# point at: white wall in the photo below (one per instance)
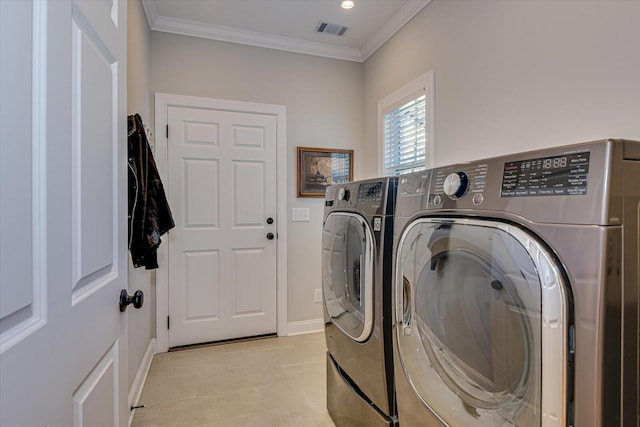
(323, 98)
(515, 75)
(142, 321)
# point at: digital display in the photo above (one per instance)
(370, 192)
(554, 163)
(548, 176)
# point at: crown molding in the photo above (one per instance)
(233, 35)
(269, 41)
(151, 10)
(392, 26)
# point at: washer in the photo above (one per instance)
(357, 245)
(516, 290)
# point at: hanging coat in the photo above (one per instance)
(149, 212)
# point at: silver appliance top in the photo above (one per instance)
(574, 184)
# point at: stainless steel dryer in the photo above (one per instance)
(357, 244)
(516, 290)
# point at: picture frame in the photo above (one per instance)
(319, 168)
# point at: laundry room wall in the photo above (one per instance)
(514, 76)
(141, 323)
(323, 98)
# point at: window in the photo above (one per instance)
(405, 120)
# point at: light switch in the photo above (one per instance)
(300, 214)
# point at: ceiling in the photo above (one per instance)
(286, 24)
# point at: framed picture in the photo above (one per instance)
(319, 168)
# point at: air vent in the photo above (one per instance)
(328, 28)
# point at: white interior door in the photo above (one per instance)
(222, 253)
(62, 213)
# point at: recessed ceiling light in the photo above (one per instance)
(347, 4)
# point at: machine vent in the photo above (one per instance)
(328, 28)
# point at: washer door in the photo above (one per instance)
(481, 323)
(347, 274)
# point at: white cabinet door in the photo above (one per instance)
(222, 253)
(62, 213)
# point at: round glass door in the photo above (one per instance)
(470, 314)
(347, 274)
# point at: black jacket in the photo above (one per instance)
(149, 213)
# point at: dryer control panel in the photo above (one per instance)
(572, 184)
(564, 175)
(458, 183)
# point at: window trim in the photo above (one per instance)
(423, 85)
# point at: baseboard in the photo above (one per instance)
(141, 377)
(305, 327)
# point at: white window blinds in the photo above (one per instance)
(405, 138)
(405, 128)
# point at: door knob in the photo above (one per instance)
(270, 236)
(137, 299)
(269, 220)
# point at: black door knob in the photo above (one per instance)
(137, 299)
(269, 220)
(270, 236)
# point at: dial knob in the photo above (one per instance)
(456, 184)
(343, 194)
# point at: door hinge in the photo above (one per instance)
(167, 131)
(168, 323)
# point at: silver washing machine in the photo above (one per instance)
(357, 245)
(516, 290)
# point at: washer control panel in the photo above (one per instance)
(370, 192)
(369, 197)
(344, 194)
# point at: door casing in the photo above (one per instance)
(162, 103)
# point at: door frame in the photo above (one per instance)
(162, 103)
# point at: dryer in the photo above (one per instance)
(357, 244)
(516, 290)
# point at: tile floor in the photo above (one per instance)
(261, 383)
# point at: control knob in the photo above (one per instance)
(455, 185)
(343, 194)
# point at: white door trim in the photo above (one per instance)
(162, 103)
